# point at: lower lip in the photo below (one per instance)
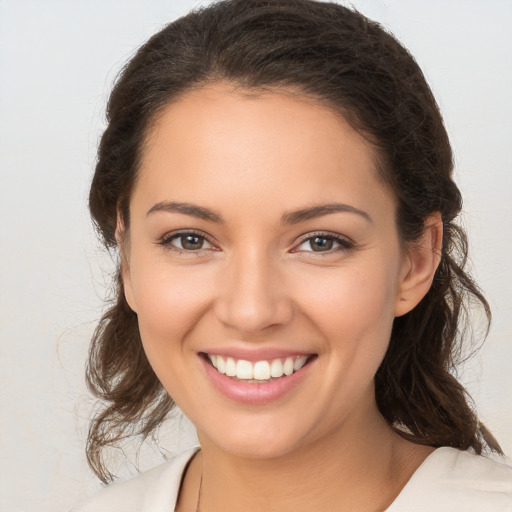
(254, 393)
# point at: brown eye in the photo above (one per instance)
(185, 242)
(191, 242)
(328, 243)
(320, 243)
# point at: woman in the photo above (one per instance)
(277, 179)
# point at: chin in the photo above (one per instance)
(265, 442)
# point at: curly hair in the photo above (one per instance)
(337, 55)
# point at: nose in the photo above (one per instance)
(252, 294)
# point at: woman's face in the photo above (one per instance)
(260, 232)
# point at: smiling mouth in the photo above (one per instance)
(260, 371)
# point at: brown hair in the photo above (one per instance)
(334, 54)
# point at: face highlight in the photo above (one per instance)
(265, 268)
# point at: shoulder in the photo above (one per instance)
(451, 479)
(155, 490)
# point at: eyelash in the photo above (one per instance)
(344, 243)
(167, 239)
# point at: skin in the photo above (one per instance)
(258, 282)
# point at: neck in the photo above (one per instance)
(340, 472)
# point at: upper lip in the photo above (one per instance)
(256, 354)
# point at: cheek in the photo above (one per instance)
(353, 308)
(170, 301)
(349, 296)
(170, 304)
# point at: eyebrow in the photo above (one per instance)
(187, 209)
(321, 210)
(288, 218)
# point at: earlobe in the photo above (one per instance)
(420, 265)
(122, 240)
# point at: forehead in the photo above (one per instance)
(272, 143)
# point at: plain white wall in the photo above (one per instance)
(57, 62)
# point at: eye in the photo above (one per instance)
(185, 241)
(324, 242)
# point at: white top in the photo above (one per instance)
(448, 480)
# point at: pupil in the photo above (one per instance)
(321, 244)
(191, 242)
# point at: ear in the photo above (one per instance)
(420, 264)
(123, 246)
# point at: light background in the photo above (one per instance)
(57, 62)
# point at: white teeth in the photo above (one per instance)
(299, 362)
(261, 370)
(288, 366)
(221, 365)
(230, 367)
(276, 368)
(244, 369)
